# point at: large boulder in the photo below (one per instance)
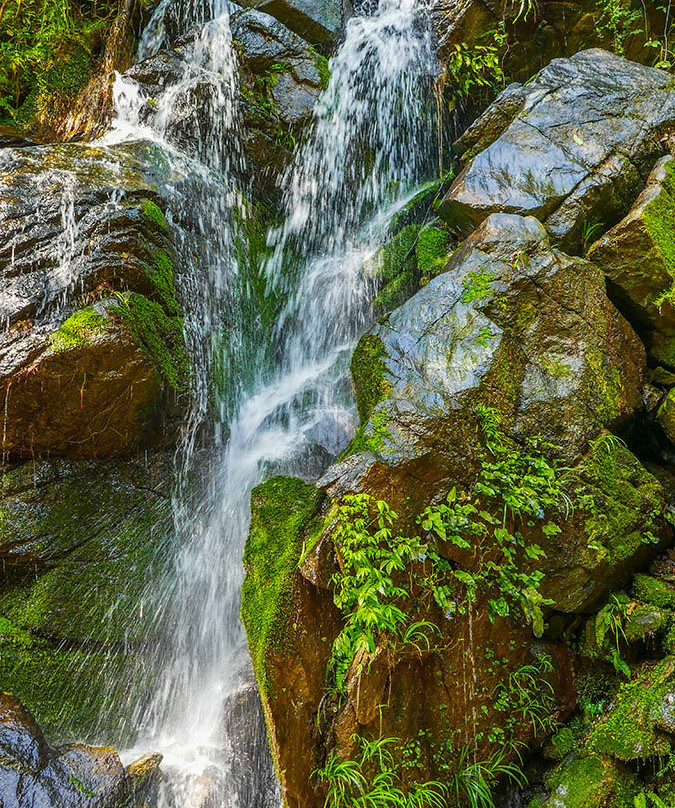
(76, 776)
(511, 322)
(286, 62)
(525, 333)
(93, 348)
(571, 147)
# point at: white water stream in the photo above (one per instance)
(366, 153)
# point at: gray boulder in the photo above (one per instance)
(572, 147)
(315, 20)
(519, 326)
(288, 64)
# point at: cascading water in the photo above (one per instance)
(367, 151)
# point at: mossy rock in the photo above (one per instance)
(638, 257)
(410, 259)
(644, 622)
(79, 543)
(625, 500)
(590, 782)
(634, 729)
(282, 510)
(159, 333)
(653, 591)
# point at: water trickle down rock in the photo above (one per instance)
(572, 147)
(93, 339)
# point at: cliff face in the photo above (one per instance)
(490, 556)
(432, 583)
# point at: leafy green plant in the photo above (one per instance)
(370, 554)
(472, 70)
(654, 800)
(526, 699)
(378, 567)
(45, 46)
(609, 631)
(473, 782)
(373, 780)
(619, 20)
(515, 487)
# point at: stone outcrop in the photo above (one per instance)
(95, 348)
(572, 147)
(516, 326)
(317, 22)
(75, 776)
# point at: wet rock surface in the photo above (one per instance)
(32, 773)
(315, 21)
(84, 369)
(78, 543)
(512, 321)
(574, 149)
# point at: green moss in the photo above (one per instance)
(432, 250)
(46, 678)
(78, 329)
(370, 437)
(399, 254)
(159, 335)
(323, 68)
(160, 273)
(653, 591)
(281, 510)
(368, 375)
(622, 498)
(395, 293)
(629, 732)
(153, 213)
(556, 369)
(562, 743)
(478, 286)
(658, 218)
(645, 621)
(589, 782)
(47, 76)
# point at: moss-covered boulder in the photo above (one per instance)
(502, 326)
(78, 544)
(590, 782)
(571, 147)
(290, 624)
(642, 721)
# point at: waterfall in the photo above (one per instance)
(291, 408)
